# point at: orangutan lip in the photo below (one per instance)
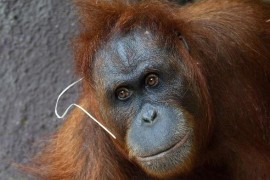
(163, 153)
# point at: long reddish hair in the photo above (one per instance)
(227, 62)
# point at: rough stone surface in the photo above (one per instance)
(35, 65)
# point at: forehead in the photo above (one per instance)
(123, 56)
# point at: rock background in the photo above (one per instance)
(35, 65)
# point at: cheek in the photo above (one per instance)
(117, 119)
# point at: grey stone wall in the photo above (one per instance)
(35, 65)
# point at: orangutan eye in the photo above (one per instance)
(123, 93)
(151, 80)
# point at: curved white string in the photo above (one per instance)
(78, 106)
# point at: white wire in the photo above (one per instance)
(78, 106)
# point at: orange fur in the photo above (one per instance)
(228, 63)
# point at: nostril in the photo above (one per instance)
(146, 120)
(154, 115)
(149, 116)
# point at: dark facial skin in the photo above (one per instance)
(144, 100)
